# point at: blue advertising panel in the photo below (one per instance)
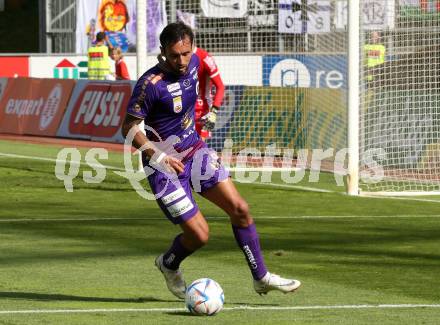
(305, 71)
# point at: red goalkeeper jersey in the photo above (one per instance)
(208, 76)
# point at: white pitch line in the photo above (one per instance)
(297, 187)
(320, 190)
(399, 198)
(149, 310)
(263, 169)
(216, 218)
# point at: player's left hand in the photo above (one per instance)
(210, 119)
(174, 165)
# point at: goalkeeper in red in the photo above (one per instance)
(207, 104)
(164, 98)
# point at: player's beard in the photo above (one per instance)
(182, 70)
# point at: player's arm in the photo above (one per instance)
(219, 90)
(211, 118)
(144, 97)
(140, 141)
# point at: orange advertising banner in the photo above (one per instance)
(34, 106)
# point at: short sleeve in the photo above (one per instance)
(142, 99)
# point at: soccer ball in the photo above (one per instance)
(204, 297)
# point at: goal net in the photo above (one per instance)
(284, 65)
(399, 94)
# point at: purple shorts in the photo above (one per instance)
(202, 171)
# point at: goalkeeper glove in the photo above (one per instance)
(210, 119)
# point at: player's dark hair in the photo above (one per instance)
(100, 36)
(174, 33)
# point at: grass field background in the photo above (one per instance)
(92, 251)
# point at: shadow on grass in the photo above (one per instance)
(181, 313)
(59, 297)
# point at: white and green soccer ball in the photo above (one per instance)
(204, 297)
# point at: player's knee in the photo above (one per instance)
(195, 240)
(241, 210)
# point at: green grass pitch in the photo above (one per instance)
(86, 257)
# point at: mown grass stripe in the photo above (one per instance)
(214, 218)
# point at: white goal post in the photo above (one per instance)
(353, 97)
(396, 121)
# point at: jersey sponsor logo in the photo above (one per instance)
(173, 196)
(177, 93)
(99, 109)
(186, 135)
(173, 87)
(187, 121)
(195, 75)
(50, 109)
(177, 104)
(181, 207)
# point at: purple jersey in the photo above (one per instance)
(166, 103)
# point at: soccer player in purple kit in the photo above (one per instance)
(164, 98)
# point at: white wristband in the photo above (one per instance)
(160, 158)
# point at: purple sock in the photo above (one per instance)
(176, 254)
(248, 241)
